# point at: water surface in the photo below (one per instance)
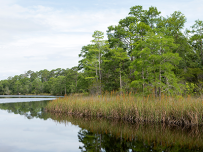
(26, 127)
(27, 96)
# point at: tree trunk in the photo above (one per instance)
(143, 82)
(120, 83)
(155, 92)
(167, 83)
(100, 76)
(201, 50)
(96, 74)
(160, 82)
(155, 89)
(99, 65)
(76, 82)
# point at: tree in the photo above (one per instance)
(197, 38)
(155, 64)
(119, 56)
(37, 86)
(92, 60)
(131, 29)
(18, 87)
(44, 75)
(1, 88)
(151, 17)
(71, 79)
(98, 43)
(57, 85)
(172, 26)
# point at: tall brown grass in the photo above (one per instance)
(128, 107)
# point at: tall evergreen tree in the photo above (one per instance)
(155, 63)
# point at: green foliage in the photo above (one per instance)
(190, 88)
(144, 53)
(155, 64)
(57, 82)
(196, 39)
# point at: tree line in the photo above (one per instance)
(145, 53)
(57, 82)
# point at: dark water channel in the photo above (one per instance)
(26, 127)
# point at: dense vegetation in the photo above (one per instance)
(57, 82)
(145, 53)
(173, 111)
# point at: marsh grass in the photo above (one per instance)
(189, 137)
(171, 110)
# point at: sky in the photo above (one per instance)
(49, 34)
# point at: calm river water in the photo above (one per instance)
(25, 127)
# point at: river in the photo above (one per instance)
(26, 127)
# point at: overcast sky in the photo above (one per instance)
(49, 34)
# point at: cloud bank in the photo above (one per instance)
(39, 35)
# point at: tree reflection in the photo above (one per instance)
(105, 135)
(98, 135)
(97, 142)
(90, 141)
(34, 109)
(107, 142)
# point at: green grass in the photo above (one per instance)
(171, 110)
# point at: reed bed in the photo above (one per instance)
(190, 137)
(171, 110)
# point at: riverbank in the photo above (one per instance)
(170, 110)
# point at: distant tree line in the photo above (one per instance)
(145, 53)
(57, 82)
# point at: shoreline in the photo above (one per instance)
(171, 111)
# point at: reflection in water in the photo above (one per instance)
(31, 110)
(35, 134)
(106, 135)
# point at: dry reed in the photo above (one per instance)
(171, 110)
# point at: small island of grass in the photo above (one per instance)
(170, 110)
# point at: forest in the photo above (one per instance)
(145, 53)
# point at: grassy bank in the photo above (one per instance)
(170, 110)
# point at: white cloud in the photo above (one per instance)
(38, 36)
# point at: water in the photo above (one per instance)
(24, 98)
(26, 127)
(27, 96)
